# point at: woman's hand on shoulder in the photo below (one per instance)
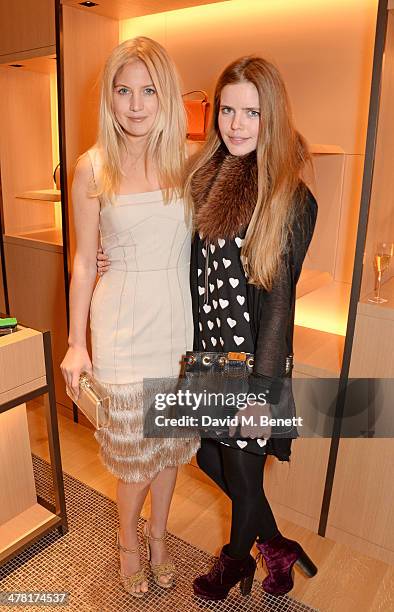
(76, 360)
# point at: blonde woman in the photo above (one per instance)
(254, 218)
(126, 188)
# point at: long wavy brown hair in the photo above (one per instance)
(281, 157)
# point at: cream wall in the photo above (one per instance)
(381, 214)
(324, 50)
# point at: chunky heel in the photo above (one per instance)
(246, 584)
(306, 565)
(225, 574)
(281, 555)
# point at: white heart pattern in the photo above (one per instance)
(204, 252)
(239, 242)
(203, 343)
(200, 325)
(199, 272)
(210, 324)
(211, 287)
(221, 242)
(207, 308)
(214, 341)
(215, 304)
(226, 262)
(234, 282)
(231, 322)
(241, 299)
(261, 442)
(238, 340)
(219, 283)
(212, 247)
(209, 271)
(223, 303)
(201, 290)
(242, 443)
(221, 341)
(215, 264)
(247, 317)
(218, 321)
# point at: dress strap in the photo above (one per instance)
(96, 163)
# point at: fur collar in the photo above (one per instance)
(224, 193)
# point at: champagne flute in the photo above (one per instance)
(381, 262)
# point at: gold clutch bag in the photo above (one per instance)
(93, 401)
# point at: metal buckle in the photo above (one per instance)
(250, 362)
(222, 361)
(191, 359)
(206, 360)
(289, 363)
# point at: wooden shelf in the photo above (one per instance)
(33, 521)
(48, 239)
(320, 324)
(310, 280)
(43, 195)
(380, 311)
(317, 353)
(24, 359)
(325, 309)
(325, 149)
(22, 363)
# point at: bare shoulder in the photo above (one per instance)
(83, 170)
(83, 186)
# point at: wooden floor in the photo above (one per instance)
(347, 581)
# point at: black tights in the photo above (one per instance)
(240, 475)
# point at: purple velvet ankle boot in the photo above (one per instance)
(280, 556)
(225, 574)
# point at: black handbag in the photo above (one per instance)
(210, 374)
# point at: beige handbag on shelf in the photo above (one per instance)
(197, 115)
(93, 401)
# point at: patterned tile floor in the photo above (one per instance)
(84, 563)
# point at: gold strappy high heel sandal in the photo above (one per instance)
(128, 582)
(159, 569)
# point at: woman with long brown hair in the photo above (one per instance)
(254, 218)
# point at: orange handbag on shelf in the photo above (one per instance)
(197, 115)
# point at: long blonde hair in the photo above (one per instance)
(281, 156)
(166, 142)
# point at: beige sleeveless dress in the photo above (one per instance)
(141, 324)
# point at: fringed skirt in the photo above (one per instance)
(123, 449)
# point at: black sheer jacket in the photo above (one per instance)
(271, 313)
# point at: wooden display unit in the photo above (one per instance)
(31, 206)
(27, 372)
